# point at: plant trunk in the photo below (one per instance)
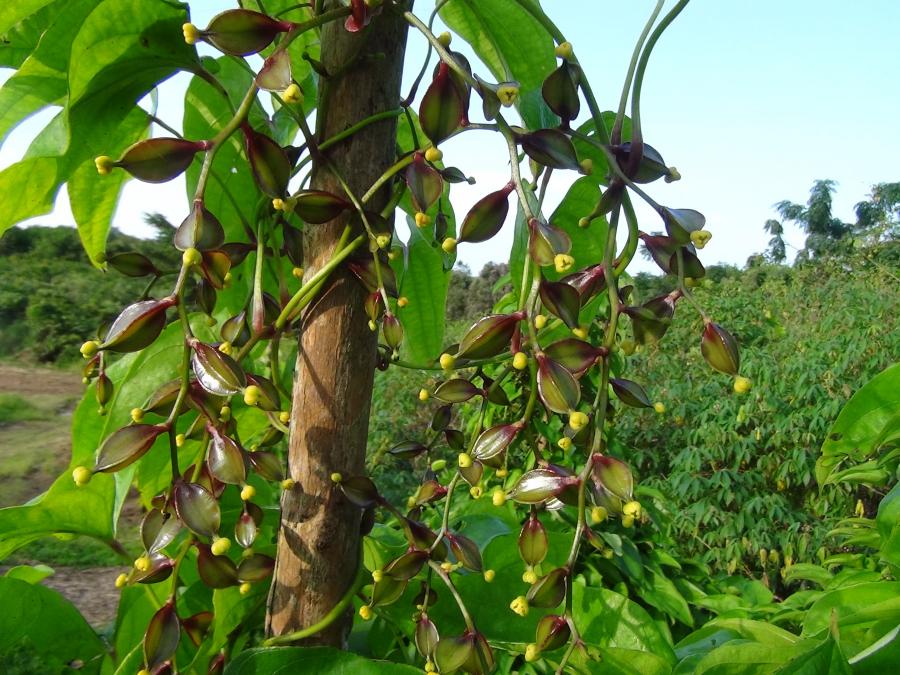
(319, 540)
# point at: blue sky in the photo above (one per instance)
(751, 100)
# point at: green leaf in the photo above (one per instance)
(321, 660)
(868, 420)
(854, 607)
(22, 39)
(888, 521)
(497, 30)
(607, 619)
(33, 574)
(12, 13)
(37, 618)
(746, 658)
(424, 283)
(825, 659)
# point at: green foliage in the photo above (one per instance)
(740, 470)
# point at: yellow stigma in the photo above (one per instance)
(179, 440)
(251, 395)
(82, 475)
(489, 575)
(402, 301)
(598, 515)
(287, 483)
(430, 667)
(581, 332)
(447, 361)
(540, 321)
(564, 50)
(520, 606)
(464, 460)
(297, 272)
(104, 164)
(89, 348)
(365, 613)
(220, 546)
(434, 155)
(587, 166)
(564, 443)
(278, 204)
(336, 477)
(673, 175)
(508, 92)
(121, 580)
(476, 491)
(700, 238)
(142, 564)
(627, 521)
(248, 492)
(191, 33)
(584, 222)
(244, 588)
(498, 497)
(447, 567)
(422, 219)
(377, 576)
(293, 94)
(372, 325)
(137, 414)
(502, 472)
(284, 416)
(424, 395)
(632, 508)
(532, 651)
(529, 576)
(449, 245)
(191, 257)
(742, 385)
(577, 420)
(224, 413)
(383, 240)
(445, 38)
(520, 361)
(659, 407)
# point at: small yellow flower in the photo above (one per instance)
(564, 50)
(581, 332)
(445, 38)
(598, 515)
(508, 93)
(336, 477)
(519, 606)
(540, 321)
(424, 395)
(587, 166)
(383, 241)
(447, 567)
(632, 508)
(284, 416)
(191, 33)
(137, 414)
(502, 472)
(627, 521)
(422, 219)
(563, 262)
(498, 497)
(278, 204)
(287, 483)
(430, 667)
(434, 155)
(104, 164)
(179, 440)
(251, 395)
(449, 245)
(447, 361)
(142, 564)
(532, 651)
(191, 257)
(476, 491)
(659, 407)
(365, 613)
(225, 413)
(402, 301)
(529, 576)
(297, 272)
(489, 575)
(464, 460)
(220, 546)
(584, 222)
(742, 385)
(293, 94)
(377, 576)
(577, 420)
(700, 238)
(121, 580)
(673, 175)
(89, 348)
(520, 361)
(248, 492)
(244, 588)
(82, 475)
